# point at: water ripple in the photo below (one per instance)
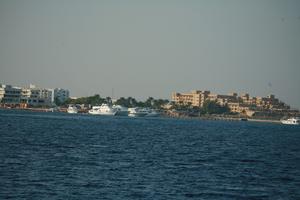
(60, 156)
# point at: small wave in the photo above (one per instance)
(249, 161)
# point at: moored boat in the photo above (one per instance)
(137, 112)
(72, 109)
(152, 113)
(291, 121)
(104, 109)
(142, 112)
(121, 110)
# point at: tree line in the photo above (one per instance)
(127, 102)
(209, 107)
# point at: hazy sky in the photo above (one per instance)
(152, 48)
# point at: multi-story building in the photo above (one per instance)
(32, 95)
(223, 99)
(239, 104)
(194, 98)
(61, 94)
(10, 94)
(37, 96)
(270, 102)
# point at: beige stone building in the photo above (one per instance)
(194, 98)
(238, 104)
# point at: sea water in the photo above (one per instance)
(78, 156)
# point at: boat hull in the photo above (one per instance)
(291, 121)
(104, 109)
(102, 113)
(122, 113)
(72, 110)
(137, 114)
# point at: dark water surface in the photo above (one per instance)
(61, 156)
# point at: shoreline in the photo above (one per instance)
(207, 117)
(265, 120)
(212, 118)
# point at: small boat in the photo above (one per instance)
(142, 112)
(104, 109)
(137, 112)
(291, 121)
(151, 113)
(121, 110)
(72, 109)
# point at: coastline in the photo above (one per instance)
(229, 119)
(265, 120)
(167, 115)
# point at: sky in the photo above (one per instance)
(153, 48)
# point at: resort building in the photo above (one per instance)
(194, 98)
(30, 96)
(223, 99)
(61, 94)
(237, 104)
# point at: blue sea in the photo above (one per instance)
(65, 156)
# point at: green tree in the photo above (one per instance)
(122, 101)
(158, 103)
(92, 100)
(57, 101)
(127, 102)
(212, 107)
(149, 102)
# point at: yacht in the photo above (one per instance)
(142, 112)
(137, 112)
(121, 110)
(291, 121)
(104, 109)
(151, 113)
(72, 109)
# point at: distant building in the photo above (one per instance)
(195, 98)
(61, 94)
(34, 96)
(10, 94)
(31, 96)
(223, 99)
(237, 104)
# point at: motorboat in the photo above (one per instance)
(121, 110)
(104, 109)
(95, 110)
(142, 112)
(291, 121)
(151, 112)
(72, 109)
(137, 112)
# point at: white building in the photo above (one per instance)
(32, 95)
(37, 96)
(10, 94)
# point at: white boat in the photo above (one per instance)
(72, 109)
(142, 112)
(152, 113)
(137, 112)
(104, 109)
(291, 121)
(121, 110)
